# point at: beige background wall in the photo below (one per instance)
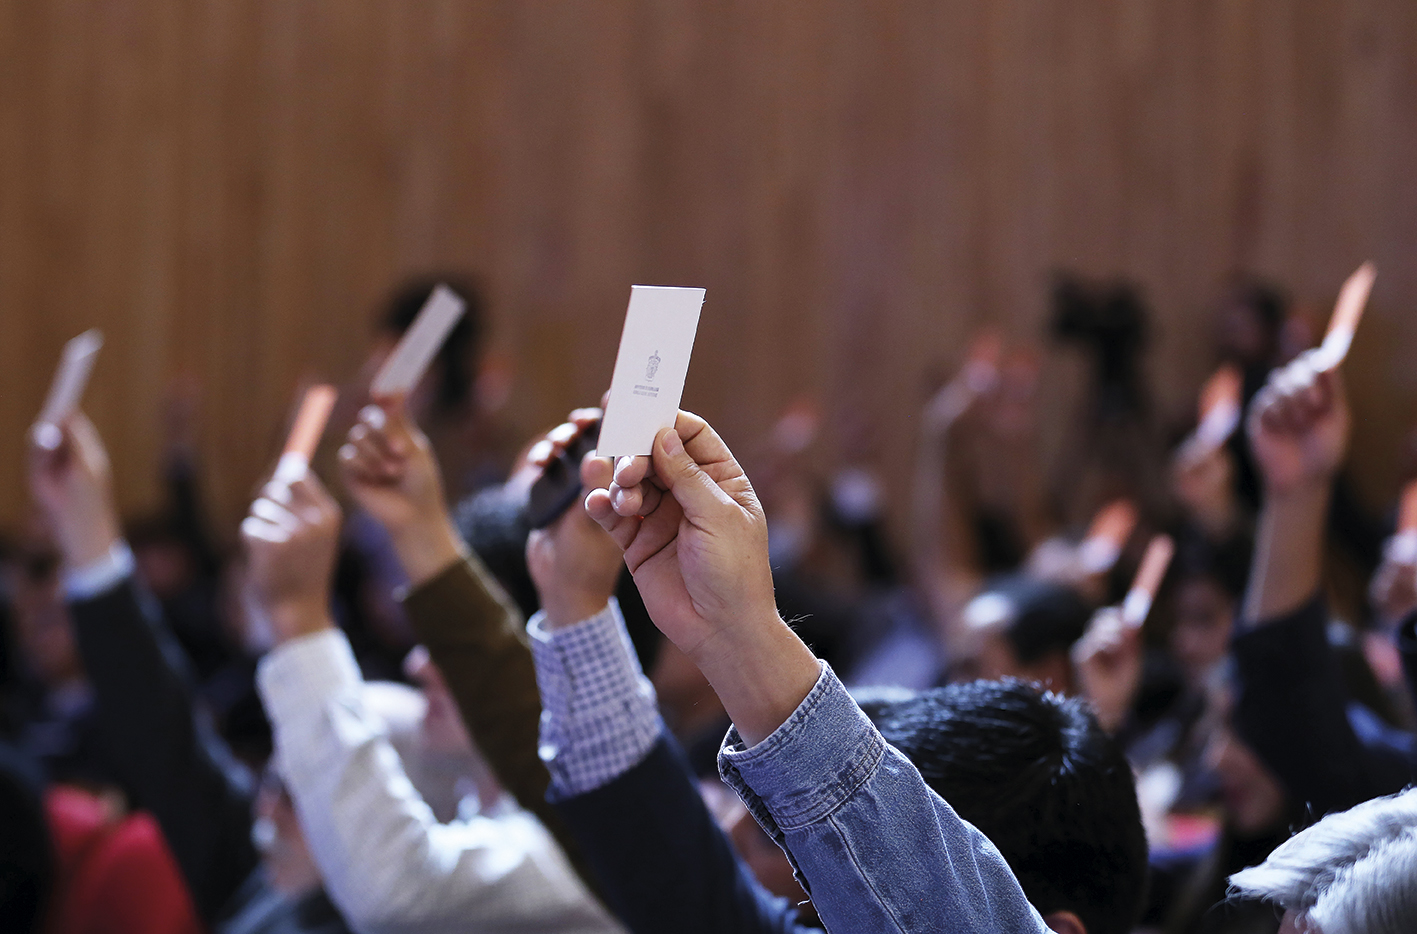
(227, 189)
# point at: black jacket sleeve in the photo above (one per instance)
(1407, 648)
(1291, 707)
(661, 860)
(171, 761)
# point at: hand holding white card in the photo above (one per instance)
(420, 344)
(75, 367)
(650, 368)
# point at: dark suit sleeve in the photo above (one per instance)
(661, 859)
(173, 764)
(1407, 648)
(1291, 707)
(476, 637)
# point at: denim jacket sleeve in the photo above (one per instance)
(875, 847)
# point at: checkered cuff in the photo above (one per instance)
(598, 713)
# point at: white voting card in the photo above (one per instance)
(1348, 311)
(649, 370)
(70, 379)
(420, 344)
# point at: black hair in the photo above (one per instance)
(458, 358)
(1047, 617)
(1267, 300)
(1035, 773)
(1226, 562)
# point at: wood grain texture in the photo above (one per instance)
(229, 188)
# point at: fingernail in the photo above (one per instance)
(346, 452)
(617, 497)
(373, 416)
(672, 445)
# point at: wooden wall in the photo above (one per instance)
(228, 188)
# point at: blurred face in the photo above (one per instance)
(277, 836)
(42, 625)
(1205, 615)
(1253, 798)
(443, 729)
(1241, 334)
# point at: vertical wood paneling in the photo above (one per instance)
(229, 188)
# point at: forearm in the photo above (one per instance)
(174, 767)
(878, 850)
(761, 672)
(474, 634)
(1288, 563)
(384, 857)
(1291, 708)
(662, 860)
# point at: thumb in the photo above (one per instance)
(698, 495)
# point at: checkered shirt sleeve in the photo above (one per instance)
(599, 718)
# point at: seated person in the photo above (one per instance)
(623, 786)
(1351, 873)
(240, 849)
(1022, 626)
(387, 860)
(874, 846)
(1291, 705)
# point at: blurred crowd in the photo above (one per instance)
(339, 720)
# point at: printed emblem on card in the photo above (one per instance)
(652, 367)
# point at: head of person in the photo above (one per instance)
(1035, 773)
(1351, 873)
(449, 386)
(1249, 322)
(1207, 584)
(1022, 626)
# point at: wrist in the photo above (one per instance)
(427, 549)
(292, 619)
(761, 672)
(90, 544)
(568, 608)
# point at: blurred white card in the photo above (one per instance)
(420, 344)
(75, 366)
(650, 368)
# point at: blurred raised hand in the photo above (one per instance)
(291, 538)
(1298, 426)
(1107, 663)
(73, 486)
(389, 469)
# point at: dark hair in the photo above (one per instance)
(1046, 617)
(1226, 562)
(1036, 774)
(493, 523)
(1267, 300)
(457, 360)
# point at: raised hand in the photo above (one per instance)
(696, 540)
(291, 537)
(573, 562)
(388, 467)
(73, 485)
(1107, 661)
(693, 534)
(1298, 426)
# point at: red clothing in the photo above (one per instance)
(114, 876)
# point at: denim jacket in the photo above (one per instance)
(874, 846)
